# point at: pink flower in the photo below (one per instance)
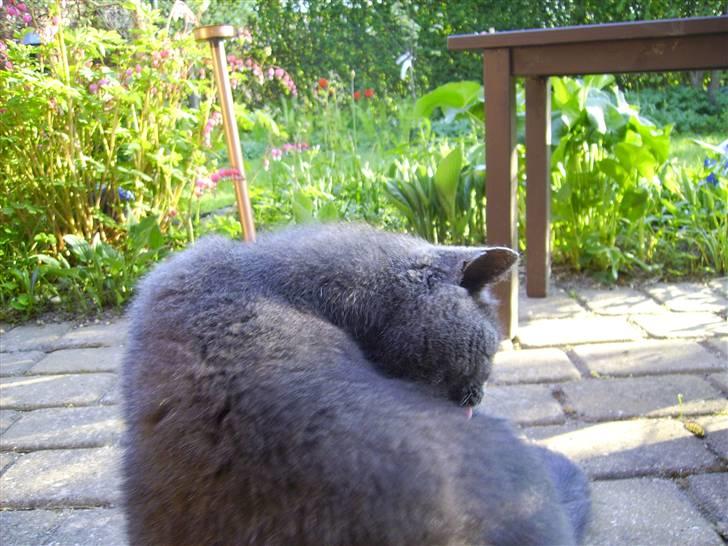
(138, 68)
(172, 213)
(103, 82)
(279, 73)
(12, 11)
(22, 7)
(93, 88)
(55, 20)
(27, 19)
(271, 73)
(276, 154)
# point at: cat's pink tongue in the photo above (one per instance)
(469, 412)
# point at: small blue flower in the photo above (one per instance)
(126, 195)
(709, 163)
(712, 179)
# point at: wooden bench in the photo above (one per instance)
(642, 46)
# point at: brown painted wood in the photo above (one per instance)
(643, 55)
(501, 184)
(589, 33)
(538, 180)
(641, 46)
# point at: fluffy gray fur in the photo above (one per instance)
(308, 389)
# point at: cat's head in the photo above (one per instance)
(442, 327)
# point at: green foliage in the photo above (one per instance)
(335, 37)
(86, 275)
(110, 147)
(441, 200)
(604, 171)
(690, 110)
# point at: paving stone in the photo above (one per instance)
(60, 428)
(624, 449)
(523, 404)
(646, 512)
(95, 335)
(683, 325)
(62, 478)
(690, 297)
(94, 527)
(6, 459)
(720, 344)
(7, 418)
(532, 366)
(39, 391)
(603, 399)
(720, 285)
(711, 493)
(32, 336)
(618, 301)
(26, 528)
(18, 363)
(557, 305)
(113, 395)
(720, 379)
(647, 357)
(544, 333)
(716, 433)
(105, 359)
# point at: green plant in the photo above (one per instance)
(442, 199)
(605, 170)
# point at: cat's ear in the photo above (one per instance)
(486, 267)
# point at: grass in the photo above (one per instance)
(688, 152)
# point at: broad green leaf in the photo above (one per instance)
(302, 207)
(446, 180)
(596, 116)
(458, 95)
(329, 212)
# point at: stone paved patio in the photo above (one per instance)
(610, 378)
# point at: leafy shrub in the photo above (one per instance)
(99, 132)
(690, 110)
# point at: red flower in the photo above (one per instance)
(369, 92)
(357, 95)
(323, 83)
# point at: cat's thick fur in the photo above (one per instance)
(308, 389)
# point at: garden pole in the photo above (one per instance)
(215, 34)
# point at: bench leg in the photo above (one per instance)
(538, 189)
(501, 171)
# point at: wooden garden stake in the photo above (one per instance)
(215, 34)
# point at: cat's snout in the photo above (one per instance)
(470, 395)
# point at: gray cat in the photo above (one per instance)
(314, 388)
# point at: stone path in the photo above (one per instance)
(630, 383)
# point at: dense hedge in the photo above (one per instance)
(318, 38)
